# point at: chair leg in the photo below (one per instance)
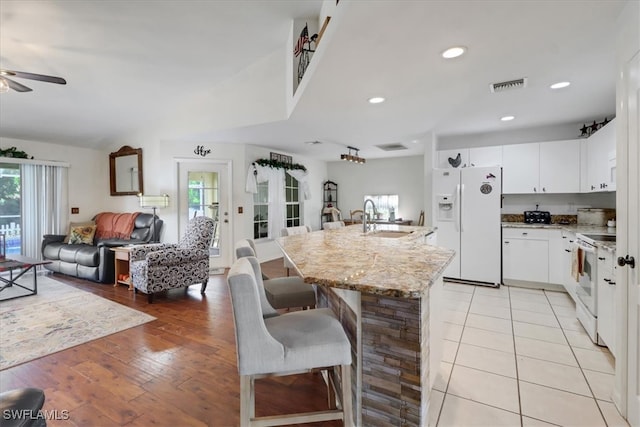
(150, 297)
(246, 401)
(347, 407)
(204, 286)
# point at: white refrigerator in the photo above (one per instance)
(467, 204)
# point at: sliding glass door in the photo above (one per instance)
(10, 207)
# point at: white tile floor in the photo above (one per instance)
(519, 357)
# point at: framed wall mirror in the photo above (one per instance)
(125, 171)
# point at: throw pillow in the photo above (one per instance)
(77, 224)
(82, 234)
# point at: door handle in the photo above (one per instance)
(628, 260)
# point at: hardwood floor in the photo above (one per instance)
(179, 370)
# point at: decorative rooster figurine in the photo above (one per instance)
(455, 162)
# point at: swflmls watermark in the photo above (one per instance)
(29, 414)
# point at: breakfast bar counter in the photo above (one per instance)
(384, 287)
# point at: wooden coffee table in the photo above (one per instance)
(122, 257)
(23, 264)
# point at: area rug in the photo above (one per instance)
(57, 318)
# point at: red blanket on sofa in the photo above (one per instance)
(111, 225)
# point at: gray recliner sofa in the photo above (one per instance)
(94, 262)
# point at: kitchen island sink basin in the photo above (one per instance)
(388, 234)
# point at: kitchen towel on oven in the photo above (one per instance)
(577, 263)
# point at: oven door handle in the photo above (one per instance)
(586, 248)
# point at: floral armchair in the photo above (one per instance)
(161, 266)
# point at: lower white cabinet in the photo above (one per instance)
(569, 281)
(606, 296)
(557, 266)
(525, 255)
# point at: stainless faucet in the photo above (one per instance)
(364, 214)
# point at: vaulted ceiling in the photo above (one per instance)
(214, 71)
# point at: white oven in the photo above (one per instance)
(586, 291)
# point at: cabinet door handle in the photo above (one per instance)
(606, 280)
(601, 258)
(534, 190)
(593, 187)
(506, 242)
(611, 282)
(564, 237)
(525, 234)
(544, 190)
(567, 250)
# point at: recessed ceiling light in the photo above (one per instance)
(559, 85)
(376, 100)
(507, 118)
(454, 52)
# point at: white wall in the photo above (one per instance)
(516, 136)
(88, 173)
(400, 175)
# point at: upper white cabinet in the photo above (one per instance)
(520, 168)
(485, 156)
(541, 167)
(560, 166)
(601, 159)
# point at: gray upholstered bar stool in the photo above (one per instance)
(286, 344)
(282, 292)
(292, 231)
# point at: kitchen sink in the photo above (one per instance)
(389, 234)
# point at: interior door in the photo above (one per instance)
(633, 209)
(204, 190)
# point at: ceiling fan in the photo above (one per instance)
(6, 83)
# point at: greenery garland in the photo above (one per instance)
(280, 165)
(14, 152)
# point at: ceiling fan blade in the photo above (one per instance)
(40, 77)
(16, 86)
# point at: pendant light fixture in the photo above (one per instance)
(351, 157)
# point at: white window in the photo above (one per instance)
(292, 195)
(385, 204)
(292, 208)
(261, 211)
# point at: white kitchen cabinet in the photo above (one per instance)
(606, 299)
(444, 155)
(520, 168)
(541, 167)
(569, 281)
(560, 166)
(556, 257)
(525, 255)
(601, 159)
(485, 156)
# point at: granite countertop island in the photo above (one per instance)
(377, 262)
(385, 288)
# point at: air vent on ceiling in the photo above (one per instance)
(391, 147)
(509, 85)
